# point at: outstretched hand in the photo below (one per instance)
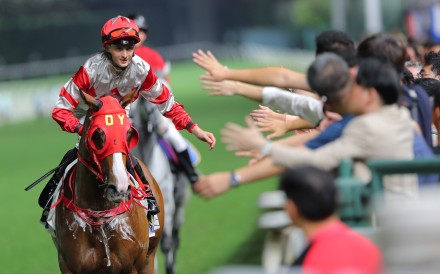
(263, 113)
(212, 185)
(277, 127)
(225, 87)
(239, 138)
(207, 61)
(204, 136)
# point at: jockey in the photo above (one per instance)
(167, 130)
(115, 71)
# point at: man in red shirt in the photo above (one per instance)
(151, 56)
(333, 246)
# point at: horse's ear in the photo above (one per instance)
(93, 103)
(128, 98)
(134, 139)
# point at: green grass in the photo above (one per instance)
(216, 232)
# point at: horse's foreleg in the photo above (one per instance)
(63, 267)
(150, 267)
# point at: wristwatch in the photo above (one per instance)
(234, 179)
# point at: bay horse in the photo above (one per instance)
(101, 224)
(148, 120)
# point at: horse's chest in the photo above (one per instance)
(107, 247)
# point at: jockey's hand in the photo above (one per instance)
(212, 185)
(204, 136)
(207, 61)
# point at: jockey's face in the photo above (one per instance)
(121, 55)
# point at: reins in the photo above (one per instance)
(137, 195)
(98, 172)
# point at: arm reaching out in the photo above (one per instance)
(240, 138)
(269, 76)
(231, 88)
(264, 112)
(280, 128)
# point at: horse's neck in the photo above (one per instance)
(89, 190)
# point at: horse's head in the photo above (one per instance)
(107, 138)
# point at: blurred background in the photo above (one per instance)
(67, 31)
(45, 38)
(48, 37)
(44, 42)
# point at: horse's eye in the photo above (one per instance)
(98, 138)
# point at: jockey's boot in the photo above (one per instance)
(45, 199)
(187, 167)
(153, 208)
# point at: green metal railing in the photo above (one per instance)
(379, 168)
(355, 196)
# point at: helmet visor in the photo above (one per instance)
(121, 33)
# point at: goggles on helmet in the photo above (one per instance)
(121, 33)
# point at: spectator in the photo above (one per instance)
(389, 48)
(432, 87)
(411, 72)
(436, 119)
(333, 247)
(330, 76)
(382, 130)
(431, 66)
(328, 41)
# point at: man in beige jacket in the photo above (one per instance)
(382, 130)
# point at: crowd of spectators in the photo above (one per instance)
(378, 98)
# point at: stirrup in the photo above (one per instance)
(153, 208)
(46, 194)
(44, 215)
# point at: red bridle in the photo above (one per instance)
(112, 121)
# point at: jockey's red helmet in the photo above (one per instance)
(120, 30)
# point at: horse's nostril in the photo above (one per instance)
(115, 190)
(112, 188)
